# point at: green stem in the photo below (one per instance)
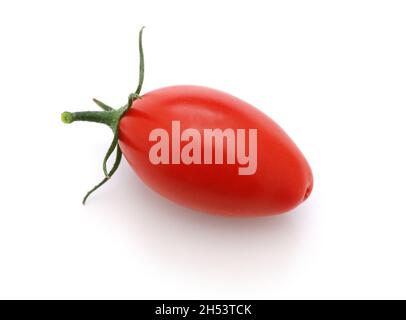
(105, 117)
(141, 67)
(110, 117)
(112, 171)
(102, 105)
(110, 150)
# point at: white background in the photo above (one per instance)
(331, 73)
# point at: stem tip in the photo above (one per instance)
(67, 117)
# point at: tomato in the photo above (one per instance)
(283, 178)
(204, 149)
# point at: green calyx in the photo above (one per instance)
(110, 117)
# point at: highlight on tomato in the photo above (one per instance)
(204, 149)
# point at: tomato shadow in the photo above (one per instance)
(213, 247)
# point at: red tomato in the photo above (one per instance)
(204, 149)
(283, 178)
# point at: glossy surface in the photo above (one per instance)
(283, 178)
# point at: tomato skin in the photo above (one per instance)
(283, 178)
